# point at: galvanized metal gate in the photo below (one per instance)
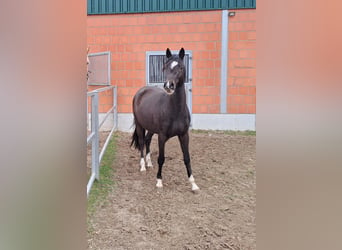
(95, 126)
(99, 74)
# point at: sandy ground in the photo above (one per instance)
(221, 215)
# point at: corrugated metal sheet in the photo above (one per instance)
(96, 7)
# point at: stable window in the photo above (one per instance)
(154, 67)
(99, 68)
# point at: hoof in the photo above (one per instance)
(197, 191)
(148, 160)
(159, 183)
(142, 165)
(195, 187)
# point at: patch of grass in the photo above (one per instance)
(246, 132)
(226, 132)
(101, 189)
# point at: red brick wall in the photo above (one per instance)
(242, 63)
(129, 36)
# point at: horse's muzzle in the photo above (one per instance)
(169, 87)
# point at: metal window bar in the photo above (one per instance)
(156, 73)
(94, 135)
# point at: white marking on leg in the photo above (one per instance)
(173, 64)
(194, 187)
(159, 183)
(148, 160)
(142, 165)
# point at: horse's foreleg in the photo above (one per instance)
(148, 139)
(184, 142)
(161, 158)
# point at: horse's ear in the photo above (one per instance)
(181, 53)
(168, 53)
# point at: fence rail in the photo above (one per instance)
(94, 137)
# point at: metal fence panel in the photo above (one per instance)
(94, 137)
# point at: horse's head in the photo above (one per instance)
(174, 70)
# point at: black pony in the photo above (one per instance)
(163, 112)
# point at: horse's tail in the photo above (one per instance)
(135, 137)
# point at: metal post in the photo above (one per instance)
(87, 109)
(224, 63)
(95, 141)
(115, 109)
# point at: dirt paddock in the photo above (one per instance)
(221, 215)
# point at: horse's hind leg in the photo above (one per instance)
(184, 142)
(141, 138)
(148, 139)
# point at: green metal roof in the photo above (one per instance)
(96, 7)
